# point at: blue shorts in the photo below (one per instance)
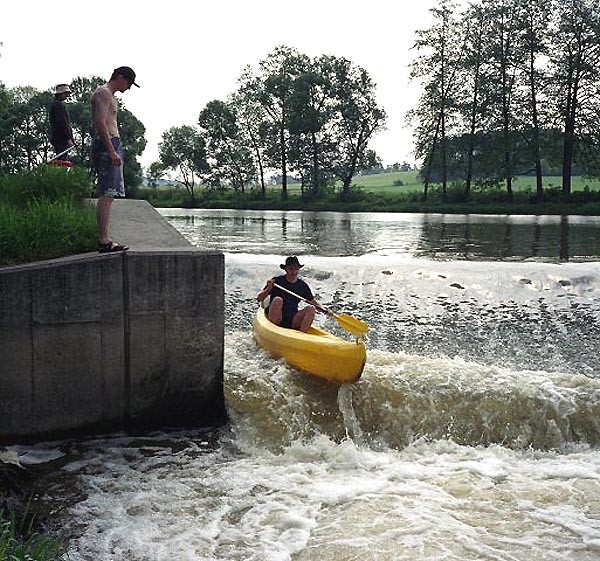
(109, 182)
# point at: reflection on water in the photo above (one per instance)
(432, 236)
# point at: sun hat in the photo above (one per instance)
(292, 260)
(62, 88)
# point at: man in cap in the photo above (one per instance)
(107, 151)
(283, 307)
(61, 133)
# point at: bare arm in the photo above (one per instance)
(264, 293)
(101, 101)
(324, 309)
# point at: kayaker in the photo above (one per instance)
(283, 307)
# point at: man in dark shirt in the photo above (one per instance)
(61, 134)
(283, 307)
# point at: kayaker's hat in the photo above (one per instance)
(293, 260)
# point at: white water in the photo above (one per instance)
(288, 483)
(473, 434)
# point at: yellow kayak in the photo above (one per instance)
(316, 351)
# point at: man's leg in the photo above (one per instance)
(276, 310)
(304, 318)
(103, 218)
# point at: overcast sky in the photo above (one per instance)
(187, 53)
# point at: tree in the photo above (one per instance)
(252, 121)
(355, 117)
(576, 72)
(132, 133)
(183, 150)
(155, 172)
(310, 112)
(26, 143)
(473, 77)
(437, 66)
(533, 24)
(6, 127)
(232, 159)
(273, 90)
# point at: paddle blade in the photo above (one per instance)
(352, 325)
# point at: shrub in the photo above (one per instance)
(353, 194)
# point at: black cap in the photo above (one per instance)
(293, 260)
(127, 73)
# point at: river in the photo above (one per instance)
(474, 432)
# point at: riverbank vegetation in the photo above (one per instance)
(22, 537)
(20, 541)
(43, 215)
(395, 192)
(508, 88)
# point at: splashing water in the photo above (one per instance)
(473, 433)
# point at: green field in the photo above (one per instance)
(383, 183)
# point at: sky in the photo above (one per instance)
(187, 53)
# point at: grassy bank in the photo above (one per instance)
(22, 536)
(19, 541)
(397, 192)
(43, 215)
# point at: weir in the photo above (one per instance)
(103, 342)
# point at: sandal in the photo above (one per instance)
(110, 247)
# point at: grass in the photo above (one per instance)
(383, 183)
(43, 215)
(19, 541)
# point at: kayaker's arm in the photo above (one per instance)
(321, 308)
(264, 293)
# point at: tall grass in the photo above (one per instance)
(43, 215)
(20, 542)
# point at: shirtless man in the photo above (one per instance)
(107, 152)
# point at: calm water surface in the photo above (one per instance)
(432, 236)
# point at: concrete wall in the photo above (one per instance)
(97, 342)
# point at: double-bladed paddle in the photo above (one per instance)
(352, 325)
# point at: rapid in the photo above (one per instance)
(474, 432)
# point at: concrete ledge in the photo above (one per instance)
(94, 342)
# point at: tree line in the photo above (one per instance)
(290, 114)
(312, 118)
(509, 87)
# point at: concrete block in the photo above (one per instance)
(174, 309)
(16, 364)
(110, 341)
(69, 384)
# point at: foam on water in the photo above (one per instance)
(391, 468)
(403, 397)
(320, 499)
(473, 433)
